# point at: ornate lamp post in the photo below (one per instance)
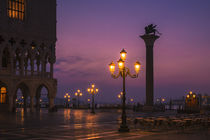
(67, 98)
(93, 91)
(123, 72)
(78, 94)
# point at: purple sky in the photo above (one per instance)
(91, 33)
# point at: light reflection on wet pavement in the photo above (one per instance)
(75, 124)
(64, 124)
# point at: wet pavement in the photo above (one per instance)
(75, 124)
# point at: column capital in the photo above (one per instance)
(149, 39)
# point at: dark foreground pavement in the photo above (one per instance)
(81, 125)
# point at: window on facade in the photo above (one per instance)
(16, 9)
(3, 94)
(5, 58)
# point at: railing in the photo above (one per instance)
(26, 73)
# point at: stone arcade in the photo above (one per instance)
(27, 51)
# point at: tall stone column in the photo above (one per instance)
(51, 103)
(149, 41)
(51, 70)
(32, 67)
(37, 102)
(25, 102)
(11, 105)
(22, 66)
(31, 103)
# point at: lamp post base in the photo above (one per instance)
(123, 129)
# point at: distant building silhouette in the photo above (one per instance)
(27, 51)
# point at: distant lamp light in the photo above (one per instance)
(80, 94)
(121, 93)
(92, 85)
(188, 96)
(163, 100)
(68, 100)
(119, 96)
(78, 90)
(131, 100)
(64, 96)
(137, 66)
(123, 54)
(76, 94)
(194, 96)
(190, 92)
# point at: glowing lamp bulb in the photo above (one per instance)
(120, 64)
(137, 66)
(96, 90)
(112, 67)
(123, 54)
(91, 90)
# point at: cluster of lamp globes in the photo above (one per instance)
(121, 63)
(91, 90)
(191, 94)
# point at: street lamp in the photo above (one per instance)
(93, 91)
(67, 98)
(191, 101)
(123, 72)
(78, 94)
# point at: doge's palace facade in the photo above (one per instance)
(27, 51)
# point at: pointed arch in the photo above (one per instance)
(42, 96)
